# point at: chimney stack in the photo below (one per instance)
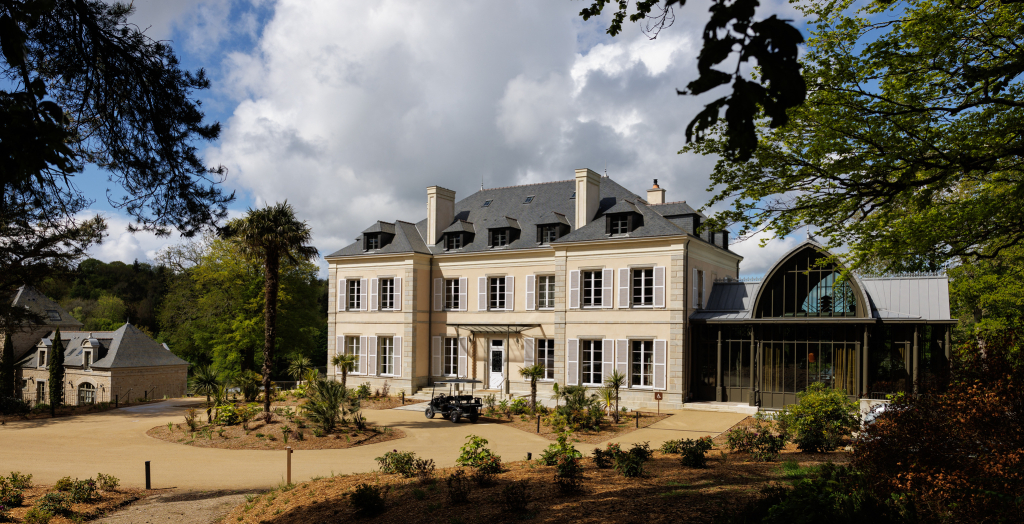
(655, 195)
(588, 196)
(440, 212)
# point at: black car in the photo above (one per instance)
(454, 406)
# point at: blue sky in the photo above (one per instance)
(349, 110)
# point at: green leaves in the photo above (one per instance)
(12, 41)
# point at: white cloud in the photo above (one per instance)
(758, 260)
(126, 247)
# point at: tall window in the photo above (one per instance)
(546, 292)
(643, 287)
(451, 294)
(620, 224)
(698, 289)
(453, 241)
(86, 393)
(642, 358)
(352, 348)
(497, 293)
(354, 295)
(499, 237)
(546, 357)
(591, 288)
(451, 357)
(87, 360)
(372, 241)
(42, 359)
(805, 286)
(387, 293)
(386, 348)
(590, 362)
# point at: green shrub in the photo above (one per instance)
(519, 406)
(569, 474)
(10, 495)
(227, 415)
(562, 447)
(191, 418)
(369, 499)
(605, 458)
(764, 439)
(363, 391)
(64, 484)
(424, 469)
(692, 452)
(515, 497)
(476, 455)
(822, 418)
(37, 515)
(458, 488)
(672, 446)
(107, 482)
(631, 463)
(82, 490)
(54, 503)
(400, 462)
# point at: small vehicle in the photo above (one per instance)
(454, 406)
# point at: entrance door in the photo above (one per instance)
(497, 358)
(40, 392)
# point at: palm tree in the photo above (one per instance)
(265, 235)
(205, 382)
(607, 398)
(533, 373)
(346, 363)
(614, 382)
(298, 365)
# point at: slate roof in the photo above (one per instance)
(127, 347)
(908, 298)
(553, 203)
(381, 227)
(30, 298)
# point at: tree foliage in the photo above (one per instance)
(771, 43)
(56, 368)
(908, 148)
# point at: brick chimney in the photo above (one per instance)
(656, 195)
(440, 212)
(588, 196)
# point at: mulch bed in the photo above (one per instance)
(669, 493)
(387, 403)
(107, 502)
(609, 429)
(263, 436)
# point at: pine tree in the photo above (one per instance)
(56, 373)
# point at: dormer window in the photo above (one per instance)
(453, 241)
(620, 225)
(42, 359)
(87, 360)
(499, 237)
(372, 242)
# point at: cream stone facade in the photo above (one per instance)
(581, 276)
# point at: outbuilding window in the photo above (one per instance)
(86, 393)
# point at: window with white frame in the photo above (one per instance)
(591, 292)
(620, 224)
(499, 237)
(42, 359)
(642, 368)
(386, 350)
(451, 356)
(546, 357)
(591, 362)
(643, 287)
(352, 348)
(354, 294)
(545, 291)
(497, 289)
(549, 233)
(451, 294)
(387, 293)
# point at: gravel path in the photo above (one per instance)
(181, 507)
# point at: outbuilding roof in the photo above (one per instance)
(127, 347)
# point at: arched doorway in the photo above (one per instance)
(86, 393)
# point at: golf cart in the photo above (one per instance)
(454, 405)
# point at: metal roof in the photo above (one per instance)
(494, 328)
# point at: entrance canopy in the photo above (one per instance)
(495, 329)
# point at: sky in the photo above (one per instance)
(349, 110)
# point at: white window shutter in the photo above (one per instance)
(339, 349)
(463, 294)
(624, 288)
(528, 351)
(607, 357)
(660, 364)
(436, 353)
(696, 289)
(398, 294)
(572, 362)
(481, 294)
(622, 357)
(371, 361)
(362, 294)
(362, 355)
(574, 289)
(659, 286)
(438, 294)
(531, 295)
(510, 293)
(607, 287)
(374, 295)
(463, 356)
(342, 289)
(397, 361)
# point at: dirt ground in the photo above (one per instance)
(107, 501)
(263, 436)
(670, 493)
(178, 507)
(69, 411)
(609, 429)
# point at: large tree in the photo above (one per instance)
(267, 235)
(56, 367)
(908, 151)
